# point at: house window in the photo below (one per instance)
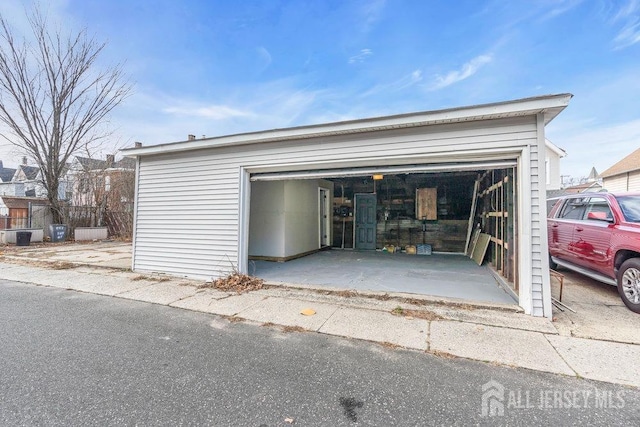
(83, 186)
(546, 169)
(107, 183)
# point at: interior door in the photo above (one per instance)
(324, 217)
(365, 226)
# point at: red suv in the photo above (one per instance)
(598, 235)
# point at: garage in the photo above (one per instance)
(438, 182)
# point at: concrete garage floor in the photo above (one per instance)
(442, 275)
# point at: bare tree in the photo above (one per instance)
(53, 97)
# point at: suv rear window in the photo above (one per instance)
(599, 204)
(630, 206)
(573, 209)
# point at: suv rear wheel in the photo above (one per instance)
(629, 283)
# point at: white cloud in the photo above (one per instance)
(371, 12)
(265, 57)
(561, 7)
(360, 57)
(402, 83)
(215, 112)
(467, 70)
(629, 35)
(591, 144)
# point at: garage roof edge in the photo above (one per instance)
(549, 105)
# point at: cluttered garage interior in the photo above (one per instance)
(442, 230)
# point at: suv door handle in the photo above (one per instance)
(579, 229)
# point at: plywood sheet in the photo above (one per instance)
(427, 203)
(480, 249)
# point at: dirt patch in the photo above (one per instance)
(416, 314)
(442, 354)
(288, 329)
(389, 345)
(150, 278)
(235, 282)
(346, 294)
(61, 265)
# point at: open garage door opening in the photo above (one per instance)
(413, 229)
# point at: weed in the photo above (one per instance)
(398, 311)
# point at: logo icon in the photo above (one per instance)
(492, 399)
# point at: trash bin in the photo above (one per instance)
(23, 238)
(58, 232)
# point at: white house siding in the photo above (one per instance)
(538, 223)
(188, 202)
(624, 182)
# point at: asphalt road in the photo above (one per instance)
(68, 358)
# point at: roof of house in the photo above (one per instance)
(628, 164)
(548, 105)
(13, 202)
(6, 174)
(31, 172)
(553, 147)
(584, 187)
(97, 164)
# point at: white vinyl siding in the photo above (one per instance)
(624, 182)
(188, 203)
(187, 217)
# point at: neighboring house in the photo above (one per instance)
(552, 165)
(587, 187)
(6, 175)
(624, 175)
(95, 182)
(29, 178)
(205, 206)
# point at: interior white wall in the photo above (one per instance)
(301, 216)
(266, 223)
(285, 217)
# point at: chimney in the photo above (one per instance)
(191, 137)
(137, 144)
(24, 160)
(110, 159)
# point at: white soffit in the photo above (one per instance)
(341, 173)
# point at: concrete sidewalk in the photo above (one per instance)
(496, 334)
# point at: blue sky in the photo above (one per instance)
(220, 67)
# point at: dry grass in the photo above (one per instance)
(288, 329)
(234, 319)
(62, 265)
(235, 282)
(346, 293)
(416, 314)
(422, 314)
(269, 325)
(389, 345)
(151, 278)
(442, 354)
